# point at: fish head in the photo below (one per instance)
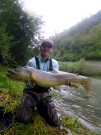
(21, 74)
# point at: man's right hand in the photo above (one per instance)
(68, 83)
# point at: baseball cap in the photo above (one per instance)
(47, 40)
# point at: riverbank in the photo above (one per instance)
(11, 92)
(82, 67)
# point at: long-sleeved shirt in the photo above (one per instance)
(44, 66)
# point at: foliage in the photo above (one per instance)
(6, 83)
(80, 41)
(18, 31)
(76, 127)
(5, 44)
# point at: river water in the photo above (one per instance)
(77, 103)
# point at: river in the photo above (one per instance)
(77, 103)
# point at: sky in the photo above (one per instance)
(61, 14)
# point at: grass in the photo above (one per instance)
(10, 97)
(82, 67)
(38, 127)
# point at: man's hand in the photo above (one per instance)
(68, 83)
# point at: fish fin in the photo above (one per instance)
(86, 83)
(56, 88)
(76, 85)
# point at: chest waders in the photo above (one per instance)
(40, 98)
(39, 89)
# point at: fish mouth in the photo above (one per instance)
(20, 74)
(13, 74)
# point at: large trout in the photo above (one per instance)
(48, 79)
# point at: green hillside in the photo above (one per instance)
(80, 41)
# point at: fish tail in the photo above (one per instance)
(86, 84)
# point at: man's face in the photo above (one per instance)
(46, 49)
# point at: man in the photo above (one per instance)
(39, 97)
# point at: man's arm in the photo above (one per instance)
(31, 63)
(55, 65)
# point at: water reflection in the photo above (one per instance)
(78, 103)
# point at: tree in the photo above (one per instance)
(5, 44)
(23, 28)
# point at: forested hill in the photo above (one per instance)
(80, 41)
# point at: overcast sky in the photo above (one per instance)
(61, 14)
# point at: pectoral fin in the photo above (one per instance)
(76, 85)
(56, 88)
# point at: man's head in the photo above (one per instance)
(46, 48)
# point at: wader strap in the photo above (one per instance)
(50, 65)
(38, 64)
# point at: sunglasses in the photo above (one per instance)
(48, 45)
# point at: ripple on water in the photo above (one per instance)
(79, 103)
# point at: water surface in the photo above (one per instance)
(81, 104)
